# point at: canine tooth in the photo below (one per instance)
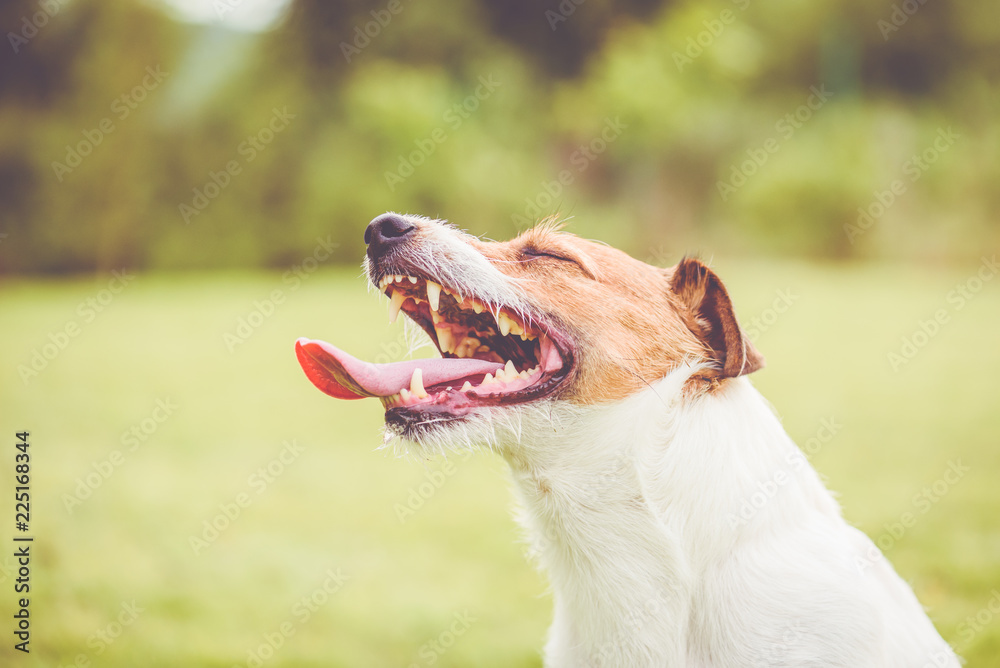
(509, 369)
(395, 304)
(467, 386)
(413, 279)
(436, 317)
(503, 323)
(404, 395)
(417, 384)
(433, 295)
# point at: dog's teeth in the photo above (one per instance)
(446, 340)
(470, 345)
(516, 328)
(503, 323)
(467, 386)
(417, 384)
(398, 278)
(435, 317)
(477, 307)
(396, 303)
(488, 379)
(524, 374)
(413, 279)
(433, 295)
(507, 373)
(404, 395)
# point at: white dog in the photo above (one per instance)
(616, 392)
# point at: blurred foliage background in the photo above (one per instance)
(838, 159)
(697, 89)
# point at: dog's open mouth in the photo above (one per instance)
(489, 356)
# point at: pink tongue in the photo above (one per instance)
(338, 374)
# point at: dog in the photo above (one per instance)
(618, 394)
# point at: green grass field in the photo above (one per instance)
(453, 575)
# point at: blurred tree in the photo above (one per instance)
(371, 91)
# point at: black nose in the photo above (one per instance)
(385, 231)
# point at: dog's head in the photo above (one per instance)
(545, 317)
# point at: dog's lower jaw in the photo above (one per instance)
(630, 508)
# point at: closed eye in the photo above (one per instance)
(534, 252)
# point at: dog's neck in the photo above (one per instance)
(618, 501)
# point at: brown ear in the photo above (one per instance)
(712, 318)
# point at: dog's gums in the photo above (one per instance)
(490, 355)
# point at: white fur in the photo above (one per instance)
(631, 509)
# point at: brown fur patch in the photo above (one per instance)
(631, 322)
